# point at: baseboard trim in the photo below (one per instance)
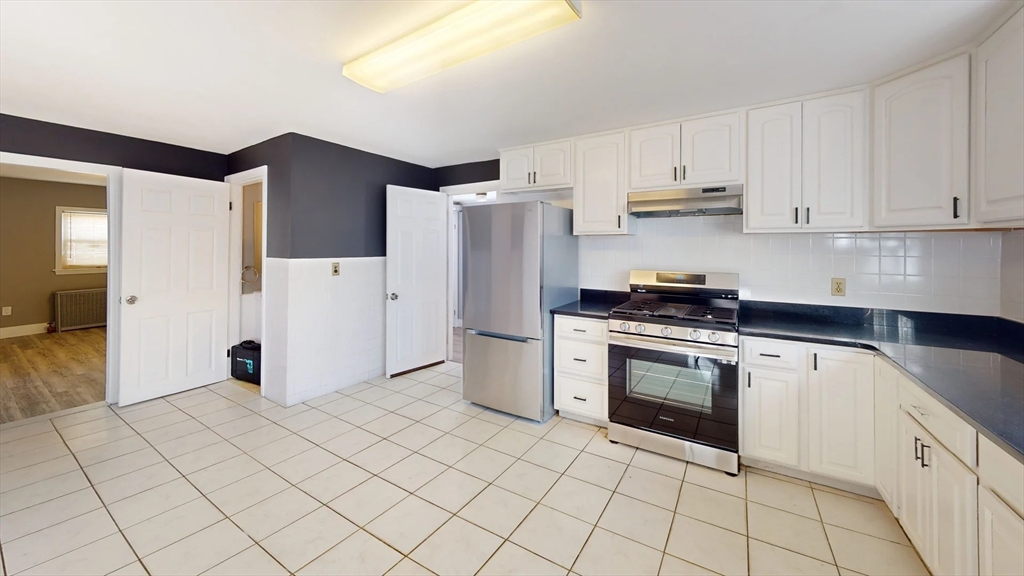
(24, 330)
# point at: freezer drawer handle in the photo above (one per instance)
(498, 336)
(578, 398)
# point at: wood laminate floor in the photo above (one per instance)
(45, 373)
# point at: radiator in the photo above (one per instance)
(76, 309)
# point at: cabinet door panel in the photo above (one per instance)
(914, 485)
(551, 164)
(954, 502)
(773, 168)
(654, 157)
(921, 146)
(1000, 112)
(1000, 537)
(599, 194)
(771, 417)
(887, 405)
(835, 161)
(841, 432)
(710, 150)
(516, 169)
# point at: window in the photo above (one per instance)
(81, 240)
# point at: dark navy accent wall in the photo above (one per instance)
(466, 173)
(276, 155)
(37, 138)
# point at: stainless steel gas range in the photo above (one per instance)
(673, 374)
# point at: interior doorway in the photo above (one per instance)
(54, 231)
(247, 306)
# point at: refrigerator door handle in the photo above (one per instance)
(499, 336)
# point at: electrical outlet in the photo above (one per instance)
(335, 268)
(6, 311)
(839, 286)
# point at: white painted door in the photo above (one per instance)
(174, 284)
(416, 286)
(599, 195)
(773, 168)
(921, 146)
(654, 157)
(552, 164)
(954, 518)
(914, 485)
(835, 161)
(1000, 537)
(841, 414)
(516, 169)
(771, 416)
(710, 150)
(999, 100)
(887, 408)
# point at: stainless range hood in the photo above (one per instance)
(707, 201)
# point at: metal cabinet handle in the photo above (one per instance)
(684, 172)
(923, 459)
(807, 218)
(534, 176)
(796, 215)
(620, 221)
(580, 359)
(748, 379)
(675, 174)
(815, 360)
(770, 355)
(579, 330)
(578, 398)
(917, 442)
(956, 207)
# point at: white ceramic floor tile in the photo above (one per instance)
(174, 431)
(208, 408)
(790, 531)
(442, 380)
(497, 510)
(236, 497)
(636, 520)
(79, 417)
(340, 406)
(607, 553)
(306, 464)
(358, 555)
(134, 569)
(672, 566)
(278, 413)
(309, 537)
(363, 415)
(179, 446)
(408, 523)
(351, 442)
(368, 500)
(261, 436)
(161, 421)
(451, 490)
(196, 397)
(774, 561)
(106, 451)
(781, 494)
(413, 472)
(200, 551)
(420, 390)
(394, 402)
(152, 502)
(220, 475)
(510, 442)
(416, 436)
(664, 465)
(709, 546)
(19, 432)
(100, 438)
(253, 561)
(869, 555)
(51, 542)
(577, 498)
(512, 560)
(526, 479)
(304, 420)
(85, 428)
(46, 514)
(37, 472)
(572, 436)
(713, 507)
(387, 425)
(280, 450)
(445, 420)
(476, 430)
(114, 467)
(334, 481)
(221, 417)
(448, 449)
(136, 482)
(534, 428)
(650, 487)
(100, 557)
(601, 446)
(717, 480)
(872, 518)
(371, 394)
(147, 412)
(553, 535)
(443, 397)
(29, 444)
(777, 476)
(205, 457)
(171, 526)
(379, 457)
(418, 410)
(596, 470)
(407, 567)
(467, 408)
(42, 454)
(456, 548)
(485, 464)
(264, 518)
(550, 455)
(326, 430)
(42, 491)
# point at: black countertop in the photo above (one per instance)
(974, 365)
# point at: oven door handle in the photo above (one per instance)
(726, 354)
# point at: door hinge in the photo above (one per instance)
(815, 360)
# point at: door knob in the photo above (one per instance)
(394, 296)
(131, 300)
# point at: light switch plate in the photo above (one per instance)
(335, 268)
(839, 286)
(6, 311)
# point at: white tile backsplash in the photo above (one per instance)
(956, 272)
(1012, 276)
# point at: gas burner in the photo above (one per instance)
(639, 308)
(711, 314)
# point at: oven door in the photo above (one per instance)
(690, 391)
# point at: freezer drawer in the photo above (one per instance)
(504, 374)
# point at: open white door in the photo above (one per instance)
(174, 284)
(416, 285)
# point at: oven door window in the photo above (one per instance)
(684, 387)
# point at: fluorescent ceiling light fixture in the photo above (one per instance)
(471, 31)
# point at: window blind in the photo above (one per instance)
(83, 239)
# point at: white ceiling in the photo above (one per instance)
(220, 76)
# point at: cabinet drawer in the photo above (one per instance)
(580, 329)
(579, 397)
(956, 435)
(586, 360)
(1002, 473)
(771, 354)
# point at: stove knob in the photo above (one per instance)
(640, 328)
(624, 326)
(714, 337)
(666, 331)
(695, 334)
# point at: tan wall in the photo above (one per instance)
(27, 221)
(251, 194)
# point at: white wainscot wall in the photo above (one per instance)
(1012, 276)
(953, 272)
(331, 328)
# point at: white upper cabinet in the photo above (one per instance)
(599, 197)
(516, 168)
(771, 421)
(841, 415)
(773, 168)
(921, 146)
(542, 166)
(710, 150)
(835, 161)
(999, 105)
(654, 157)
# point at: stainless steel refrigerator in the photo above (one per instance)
(519, 262)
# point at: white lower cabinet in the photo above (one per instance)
(771, 416)
(841, 423)
(887, 407)
(1000, 537)
(581, 367)
(914, 487)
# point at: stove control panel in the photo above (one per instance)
(653, 328)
